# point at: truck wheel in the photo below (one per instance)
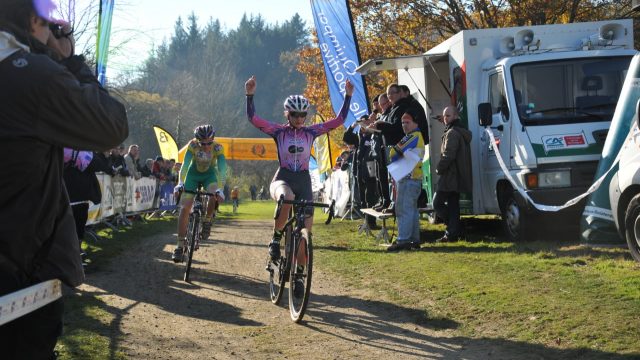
(513, 219)
(632, 226)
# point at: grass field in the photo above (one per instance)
(553, 294)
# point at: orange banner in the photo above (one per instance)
(243, 149)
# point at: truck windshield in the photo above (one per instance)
(568, 91)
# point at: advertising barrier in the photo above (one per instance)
(123, 195)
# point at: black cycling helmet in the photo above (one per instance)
(204, 132)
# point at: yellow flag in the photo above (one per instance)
(243, 149)
(321, 148)
(168, 146)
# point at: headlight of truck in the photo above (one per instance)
(551, 179)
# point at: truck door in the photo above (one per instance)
(501, 129)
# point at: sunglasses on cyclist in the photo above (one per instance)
(298, 114)
(58, 31)
(206, 143)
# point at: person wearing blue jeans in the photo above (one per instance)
(408, 187)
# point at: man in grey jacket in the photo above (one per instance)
(49, 99)
(454, 169)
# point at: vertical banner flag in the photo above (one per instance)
(321, 148)
(339, 49)
(166, 143)
(102, 42)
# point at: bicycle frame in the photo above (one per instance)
(290, 267)
(194, 227)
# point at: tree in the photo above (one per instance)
(393, 27)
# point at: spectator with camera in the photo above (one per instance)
(51, 99)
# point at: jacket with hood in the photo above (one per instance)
(45, 106)
(454, 167)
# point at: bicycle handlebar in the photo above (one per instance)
(199, 192)
(305, 203)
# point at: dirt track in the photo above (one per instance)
(226, 314)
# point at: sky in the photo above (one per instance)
(139, 25)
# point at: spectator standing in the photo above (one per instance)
(254, 191)
(454, 169)
(82, 185)
(51, 100)
(158, 168)
(418, 110)
(364, 168)
(146, 170)
(131, 160)
(226, 191)
(391, 125)
(235, 198)
(116, 158)
(169, 171)
(379, 155)
(104, 159)
(408, 188)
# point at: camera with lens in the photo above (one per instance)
(58, 30)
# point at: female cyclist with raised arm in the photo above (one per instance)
(293, 142)
(204, 163)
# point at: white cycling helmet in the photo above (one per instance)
(296, 103)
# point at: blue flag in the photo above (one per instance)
(339, 51)
(104, 33)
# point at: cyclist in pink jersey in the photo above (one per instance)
(293, 142)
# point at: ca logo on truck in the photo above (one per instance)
(567, 141)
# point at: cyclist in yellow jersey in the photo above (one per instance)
(204, 163)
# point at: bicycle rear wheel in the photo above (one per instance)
(300, 275)
(193, 231)
(279, 271)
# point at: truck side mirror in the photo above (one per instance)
(485, 114)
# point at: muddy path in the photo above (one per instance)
(225, 313)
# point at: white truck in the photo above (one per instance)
(548, 94)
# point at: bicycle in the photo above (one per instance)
(296, 238)
(194, 227)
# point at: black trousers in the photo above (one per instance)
(80, 215)
(383, 181)
(449, 212)
(368, 190)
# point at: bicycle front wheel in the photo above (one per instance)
(300, 275)
(190, 244)
(279, 270)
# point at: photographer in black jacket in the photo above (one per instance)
(49, 99)
(364, 167)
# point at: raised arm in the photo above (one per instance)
(265, 126)
(319, 129)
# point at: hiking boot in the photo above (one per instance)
(395, 247)
(177, 255)
(206, 229)
(298, 288)
(274, 250)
